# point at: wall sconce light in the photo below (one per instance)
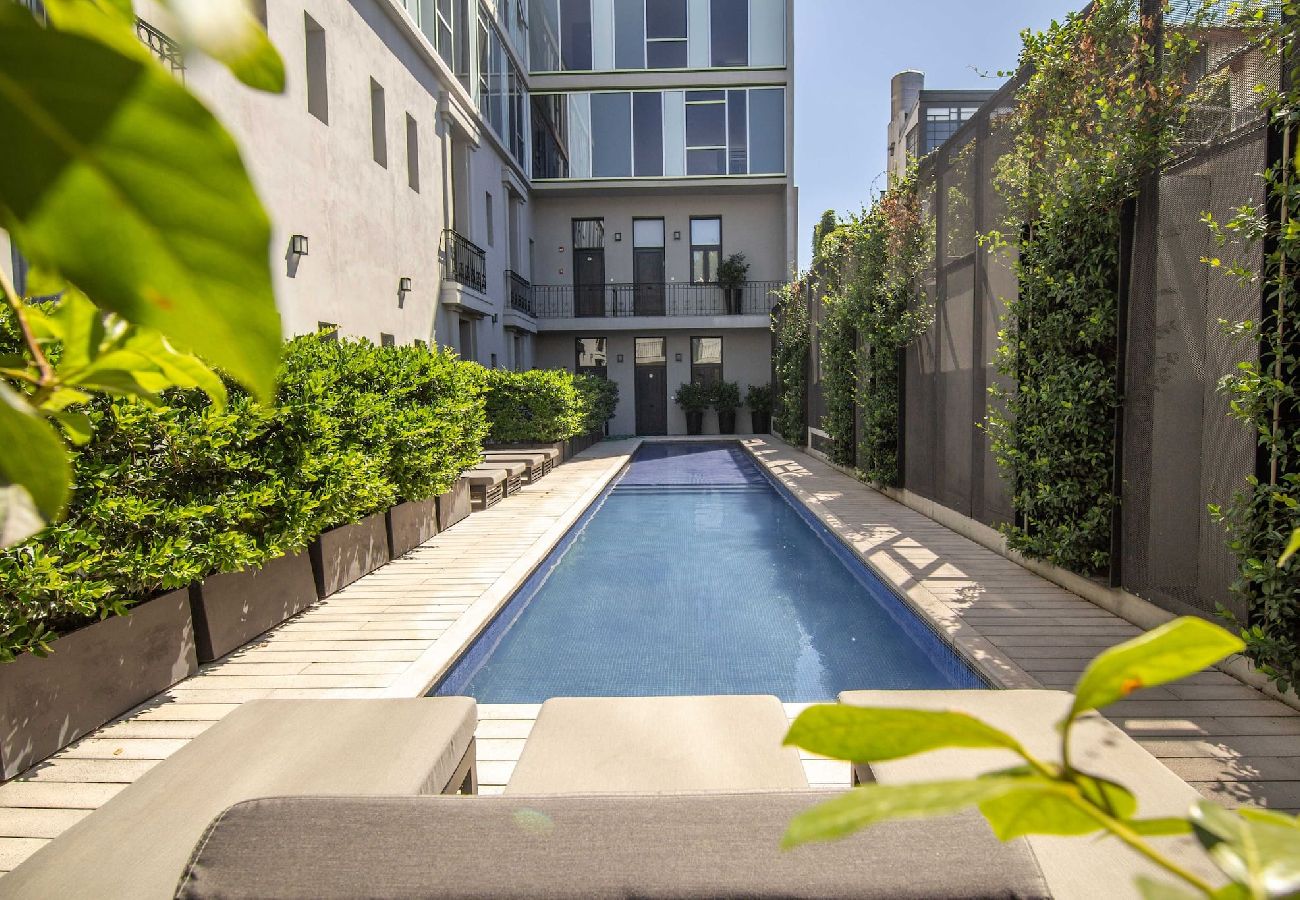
(677, 235)
(403, 285)
(620, 357)
(679, 357)
(494, 318)
(298, 245)
(618, 236)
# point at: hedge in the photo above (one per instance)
(547, 405)
(167, 495)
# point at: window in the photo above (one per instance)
(387, 340)
(629, 35)
(591, 358)
(706, 360)
(729, 27)
(706, 249)
(611, 129)
(468, 348)
(378, 125)
(665, 34)
(648, 233)
(767, 131)
(424, 345)
(318, 101)
(412, 153)
(575, 35)
(588, 234)
(647, 133)
(706, 133)
(651, 351)
(491, 225)
(493, 363)
(517, 342)
(328, 331)
(942, 122)
(737, 133)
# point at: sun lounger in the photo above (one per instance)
(135, 845)
(514, 473)
(487, 487)
(538, 464)
(602, 745)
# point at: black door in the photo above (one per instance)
(589, 283)
(651, 399)
(648, 273)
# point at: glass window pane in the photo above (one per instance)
(575, 34)
(706, 232)
(611, 135)
(629, 34)
(706, 351)
(704, 266)
(588, 234)
(767, 131)
(706, 162)
(704, 96)
(648, 233)
(648, 132)
(651, 351)
(592, 355)
(665, 18)
(737, 133)
(665, 55)
(730, 32)
(706, 124)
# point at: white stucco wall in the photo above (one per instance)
(746, 359)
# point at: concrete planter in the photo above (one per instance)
(726, 421)
(93, 676)
(342, 555)
(762, 421)
(453, 505)
(410, 524)
(232, 608)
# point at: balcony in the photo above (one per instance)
(622, 302)
(160, 45)
(463, 261)
(521, 293)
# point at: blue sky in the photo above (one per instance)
(845, 53)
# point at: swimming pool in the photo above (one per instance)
(695, 573)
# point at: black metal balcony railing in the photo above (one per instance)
(521, 292)
(463, 261)
(562, 301)
(163, 47)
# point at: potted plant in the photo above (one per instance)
(694, 399)
(759, 401)
(732, 274)
(726, 397)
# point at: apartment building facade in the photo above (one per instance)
(533, 183)
(921, 120)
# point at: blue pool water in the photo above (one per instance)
(694, 574)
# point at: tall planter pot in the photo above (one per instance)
(232, 608)
(93, 676)
(410, 524)
(695, 421)
(726, 421)
(735, 300)
(453, 505)
(761, 421)
(342, 555)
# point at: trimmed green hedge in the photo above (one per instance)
(547, 405)
(167, 495)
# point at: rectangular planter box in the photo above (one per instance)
(232, 608)
(93, 676)
(410, 524)
(342, 555)
(453, 505)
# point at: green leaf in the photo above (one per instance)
(75, 425)
(227, 31)
(35, 460)
(1291, 549)
(1159, 890)
(1160, 827)
(1260, 852)
(1043, 806)
(870, 734)
(874, 803)
(125, 183)
(1172, 651)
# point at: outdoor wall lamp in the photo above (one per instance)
(404, 286)
(494, 318)
(677, 235)
(618, 236)
(298, 245)
(620, 357)
(679, 357)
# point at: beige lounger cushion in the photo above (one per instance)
(1098, 747)
(679, 847)
(605, 745)
(485, 477)
(136, 845)
(514, 468)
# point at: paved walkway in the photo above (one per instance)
(391, 633)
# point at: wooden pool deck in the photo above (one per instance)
(391, 633)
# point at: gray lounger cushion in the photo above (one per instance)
(640, 745)
(136, 845)
(485, 477)
(683, 846)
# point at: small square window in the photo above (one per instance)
(387, 340)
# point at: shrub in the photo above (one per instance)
(759, 398)
(694, 397)
(599, 398)
(790, 360)
(725, 395)
(542, 406)
(733, 271)
(166, 495)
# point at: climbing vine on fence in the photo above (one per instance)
(1265, 393)
(790, 359)
(1086, 126)
(871, 267)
